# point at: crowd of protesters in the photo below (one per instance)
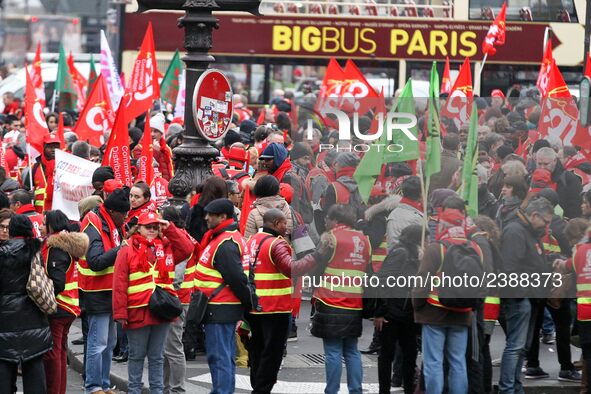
(278, 207)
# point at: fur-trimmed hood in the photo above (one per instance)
(75, 244)
(385, 206)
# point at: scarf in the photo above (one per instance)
(146, 254)
(113, 231)
(210, 234)
(23, 209)
(415, 204)
(149, 206)
(280, 172)
(346, 171)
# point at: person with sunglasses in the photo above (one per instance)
(145, 261)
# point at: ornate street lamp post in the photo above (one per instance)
(193, 157)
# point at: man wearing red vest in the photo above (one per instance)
(42, 173)
(338, 299)
(273, 270)
(95, 278)
(220, 275)
(445, 330)
(21, 203)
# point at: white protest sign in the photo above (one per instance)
(72, 182)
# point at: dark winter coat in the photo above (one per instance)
(569, 189)
(331, 322)
(64, 250)
(24, 329)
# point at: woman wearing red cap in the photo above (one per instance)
(145, 261)
(140, 201)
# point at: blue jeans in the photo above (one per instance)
(100, 342)
(517, 316)
(220, 346)
(449, 342)
(334, 350)
(548, 324)
(142, 342)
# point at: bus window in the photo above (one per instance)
(526, 10)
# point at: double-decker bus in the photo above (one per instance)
(390, 40)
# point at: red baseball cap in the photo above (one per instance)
(237, 153)
(148, 218)
(111, 184)
(51, 139)
(497, 93)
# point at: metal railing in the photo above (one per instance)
(359, 8)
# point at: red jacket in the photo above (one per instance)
(142, 317)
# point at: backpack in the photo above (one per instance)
(461, 260)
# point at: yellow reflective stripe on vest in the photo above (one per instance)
(274, 292)
(89, 272)
(583, 286)
(139, 275)
(68, 300)
(190, 270)
(343, 272)
(278, 276)
(187, 285)
(583, 300)
(206, 285)
(139, 288)
(490, 300)
(378, 257)
(171, 274)
(71, 286)
(39, 191)
(551, 248)
(208, 271)
(343, 289)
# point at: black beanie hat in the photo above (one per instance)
(299, 150)
(135, 134)
(103, 174)
(219, 206)
(20, 226)
(504, 151)
(118, 201)
(231, 137)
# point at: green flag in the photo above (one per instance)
(92, 76)
(469, 175)
(64, 84)
(169, 88)
(433, 152)
(400, 148)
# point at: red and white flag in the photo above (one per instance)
(34, 118)
(146, 159)
(496, 33)
(458, 104)
(143, 85)
(545, 70)
(98, 115)
(331, 88)
(357, 91)
(588, 66)
(60, 131)
(446, 79)
(117, 154)
(36, 77)
(559, 117)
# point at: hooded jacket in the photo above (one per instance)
(261, 206)
(24, 329)
(403, 216)
(569, 189)
(376, 217)
(65, 248)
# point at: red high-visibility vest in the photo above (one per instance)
(88, 279)
(35, 218)
(40, 189)
(582, 266)
(339, 288)
(378, 255)
(188, 285)
(492, 308)
(208, 278)
(272, 287)
(68, 299)
(142, 284)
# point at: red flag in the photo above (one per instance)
(446, 80)
(458, 104)
(34, 119)
(358, 91)
(143, 84)
(545, 69)
(3, 163)
(588, 66)
(559, 117)
(60, 131)
(145, 166)
(98, 116)
(380, 109)
(247, 201)
(330, 90)
(79, 82)
(117, 152)
(36, 76)
(496, 33)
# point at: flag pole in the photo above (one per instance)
(482, 66)
(53, 101)
(424, 194)
(30, 167)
